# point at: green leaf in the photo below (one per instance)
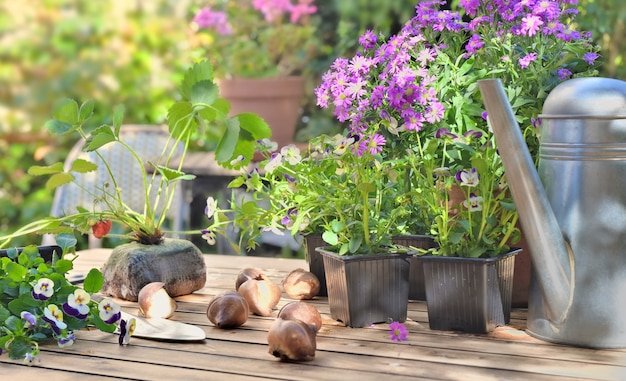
(118, 118)
(83, 166)
(37, 170)
(58, 127)
(19, 347)
(200, 71)
(330, 237)
(203, 92)
(86, 110)
(16, 272)
(337, 226)
(63, 266)
(366, 187)
(66, 242)
(172, 174)
(181, 121)
(355, 244)
(255, 125)
(226, 146)
(94, 281)
(99, 137)
(59, 179)
(66, 111)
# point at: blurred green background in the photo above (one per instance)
(133, 52)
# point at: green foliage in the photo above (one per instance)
(30, 314)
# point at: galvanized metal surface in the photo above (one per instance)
(576, 221)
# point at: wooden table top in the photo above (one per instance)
(342, 353)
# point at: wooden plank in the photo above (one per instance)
(343, 353)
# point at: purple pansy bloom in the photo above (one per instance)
(468, 178)
(77, 304)
(44, 289)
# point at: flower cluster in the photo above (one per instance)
(418, 91)
(256, 38)
(38, 303)
(341, 188)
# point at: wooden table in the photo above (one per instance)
(342, 353)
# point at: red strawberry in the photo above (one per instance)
(101, 228)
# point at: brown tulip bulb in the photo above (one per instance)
(301, 311)
(248, 273)
(301, 284)
(228, 310)
(292, 340)
(155, 302)
(262, 295)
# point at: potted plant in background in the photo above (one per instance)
(149, 257)
(261, 49)
(423, 79)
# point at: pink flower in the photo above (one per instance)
(398, 331)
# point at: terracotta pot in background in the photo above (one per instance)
(277, 100)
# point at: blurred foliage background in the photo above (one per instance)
(133, 52)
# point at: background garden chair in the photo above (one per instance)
(148, 141)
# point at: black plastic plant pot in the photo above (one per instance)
(315, 260)
(469, 294)
(46, 252)
(416, 268)
(367, 289)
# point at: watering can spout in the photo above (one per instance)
(550, 253)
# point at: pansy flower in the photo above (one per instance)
(211, 207)
(29, 358)
(291, 154)
(66, 340)
(208, 236)
(127, 328)
(110, 312)
(53, 315)
(468, 178)
(474, 203)
(77, 304)
(29, 319)
(274, 162)
(44, 289)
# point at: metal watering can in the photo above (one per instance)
(573, 209)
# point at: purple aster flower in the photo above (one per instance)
(368, 40)
(375, 143)
(474, 43)
(530, 25)
(527, 59)
(590, 58)
(398, 331)
(564, 73)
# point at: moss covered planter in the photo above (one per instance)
(367, 289)
(177, 263)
